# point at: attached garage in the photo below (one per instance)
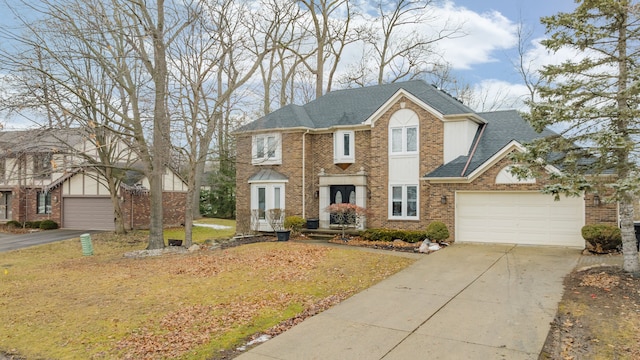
(519, 217)
(90, 213)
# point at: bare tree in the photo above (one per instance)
(396, 44)
(208, 71)
(127, 41)
(330, 33)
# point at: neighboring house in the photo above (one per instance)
(44, 175)
(410, 154)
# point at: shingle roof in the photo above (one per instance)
(501, 128)
(39, 140)
(268, 175)
(353, 107)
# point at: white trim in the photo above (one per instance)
(270, 201)
(393, 99)
(404, 201)
(499, 155)
(338, 147)
(265, 159)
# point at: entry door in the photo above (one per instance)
(345, 194)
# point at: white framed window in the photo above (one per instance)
(403, 202)
(344, 148)
(403, 140)
(264, 197)
(266, 149)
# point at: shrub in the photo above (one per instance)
(294, 223)
(48, 225)
(437, 231)
(12, 224)
(32, 224)
(410, 236)
(602, 238)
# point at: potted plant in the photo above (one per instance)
(275, 217)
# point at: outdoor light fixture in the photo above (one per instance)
(596, 200)
(316, 194)
(443, 199)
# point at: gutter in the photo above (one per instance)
(473, 151)
(304, 172)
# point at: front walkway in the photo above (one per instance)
(464, 302)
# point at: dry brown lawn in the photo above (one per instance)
(57, 304)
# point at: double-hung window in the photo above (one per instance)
(404, 140)
(404, 202)
(267, 149)
(344, 148)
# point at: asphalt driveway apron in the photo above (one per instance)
(12, 242)
(464, 302)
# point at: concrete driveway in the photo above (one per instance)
(12, 242)
(463, 302)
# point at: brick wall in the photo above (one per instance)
(136, 209)
(431, 139)
(372, 157)
(24, 205)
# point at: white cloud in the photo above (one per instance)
(486, 33)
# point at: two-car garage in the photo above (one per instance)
(519, 217)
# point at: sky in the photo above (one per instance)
(484, 57)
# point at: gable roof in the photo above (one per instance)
(39, 140)
(502, 129)
(351, 107)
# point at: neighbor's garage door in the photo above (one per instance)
(519, 217)
(88, 213)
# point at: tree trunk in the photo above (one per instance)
(161, 140)
(629, 245)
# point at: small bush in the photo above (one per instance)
(410, 236)
(12, 224)
(48, 225)
(602, 238)
(294, 223)
(437, 231)
(32, 224)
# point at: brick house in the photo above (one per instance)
(42, 176)
(410, 154)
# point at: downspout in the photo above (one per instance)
(304, 177)
(473, 151)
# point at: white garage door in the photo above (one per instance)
(88, 213)
(520, 218)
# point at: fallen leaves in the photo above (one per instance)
(599, 315)
(174, 305)
(600, 280)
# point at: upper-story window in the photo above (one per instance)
(404, 140)
(3, 169)
(267, 149)
(42, 165)
(403, 132)
(344, 148)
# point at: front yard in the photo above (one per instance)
(56, 303)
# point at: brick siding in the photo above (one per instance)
(372, 157)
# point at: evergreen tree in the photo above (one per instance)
(594, 99)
